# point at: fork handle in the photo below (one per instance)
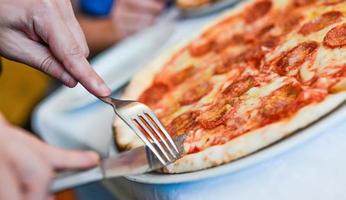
(107, 100)
(67, 180)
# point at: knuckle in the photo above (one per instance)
(75, 51)
(42, 11)
(42, 7)
(71, 55)
(86, 52)
(47, 3)
(47, 64)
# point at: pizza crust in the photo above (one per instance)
(236, 148)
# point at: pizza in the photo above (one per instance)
(259, 73)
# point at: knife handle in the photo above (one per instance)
(67, 180)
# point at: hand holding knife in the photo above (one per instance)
(136, 161)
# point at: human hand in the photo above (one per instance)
(46, 35)
(28, 165)
(131, 16)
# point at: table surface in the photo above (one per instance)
(313, 170)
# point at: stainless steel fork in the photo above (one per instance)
(143, 121)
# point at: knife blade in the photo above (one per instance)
(136, 161)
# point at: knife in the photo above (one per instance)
(136, 161)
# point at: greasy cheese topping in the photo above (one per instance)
(251, 69)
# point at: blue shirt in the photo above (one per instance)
(100, 8)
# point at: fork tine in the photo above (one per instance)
(158, 132)
(146, 141)
(153, 117)
(144, 125)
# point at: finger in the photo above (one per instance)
(148, 6)
(67, 50)
(67, 159)
(35, 55)
(35, 174)
(9, 185)
(56, 157)
(69, 17)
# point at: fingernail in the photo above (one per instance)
(93, 156)
(104, 90)
(68, 80)
(65, 77)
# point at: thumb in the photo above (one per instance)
(71, 159)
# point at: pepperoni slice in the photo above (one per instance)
(336, 37)
(200, 46)
(258, 10)
(252, 57)
(265, 30)
(154, 94)
(295, 57)
(214, 115)
(270, 42)
(239, 87)
(225, 40)
(182, 123)
(280, 103)
(182, 75)
(196, 93)
(223, 65)
(222, 68)
(321, 22)
(289, 21)
(244, 38)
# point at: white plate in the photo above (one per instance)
(266, 153)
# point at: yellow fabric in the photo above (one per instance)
(21, 87)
